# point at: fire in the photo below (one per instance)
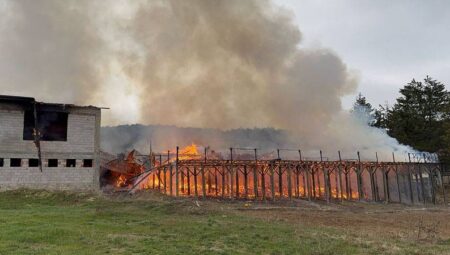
(122, 170)
(190, 149)
(159, 178)
(226, 179)
(189, 152)
(121, 181)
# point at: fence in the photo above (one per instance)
(270, 179)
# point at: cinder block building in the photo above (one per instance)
(48, 146)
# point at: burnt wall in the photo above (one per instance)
(81, 148)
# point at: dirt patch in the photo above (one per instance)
(362, 222)
(375, 221)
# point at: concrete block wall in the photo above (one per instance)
(83, 142)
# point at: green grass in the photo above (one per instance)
(40, 222)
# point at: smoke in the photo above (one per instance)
(128, 137)
(197, 63)
(47, 50)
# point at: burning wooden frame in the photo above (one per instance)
(207, 175)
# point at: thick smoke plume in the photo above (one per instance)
(196, 63)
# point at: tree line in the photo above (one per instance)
(420, 117)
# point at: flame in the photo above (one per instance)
(191, 184)
(121, 181)
(189, 152)
(162, 178)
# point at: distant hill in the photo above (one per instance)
(122, 138)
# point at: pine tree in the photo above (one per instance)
(418, 117)
(381, 116)
(363, 110)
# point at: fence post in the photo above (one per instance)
(263, 182)
(272, 181)
(325, 179)
(411, 194)
(202, 172)
(231, 173)
(397, 179)
(340, 176)
(358, 178)
(255, 176)
(177, 173)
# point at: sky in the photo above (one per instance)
(385, 43)
(388, 43)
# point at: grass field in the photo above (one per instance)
(40, 222)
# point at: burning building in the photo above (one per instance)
(48, 146)
(242, 173)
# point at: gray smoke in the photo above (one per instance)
(48, 50)
(196, 63)
(128, 137)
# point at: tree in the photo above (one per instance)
(363, 110)
(444, 152)
(418, 117)
(381, 116)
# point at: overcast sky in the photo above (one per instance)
(387, 42)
